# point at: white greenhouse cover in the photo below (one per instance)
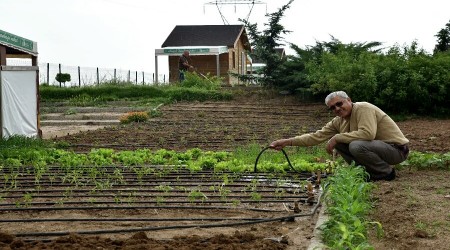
(18, 103)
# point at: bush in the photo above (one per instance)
(63, 77)
(207, 82)
(134, 117)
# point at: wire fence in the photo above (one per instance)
(88, 76)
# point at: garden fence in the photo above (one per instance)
(88, 76)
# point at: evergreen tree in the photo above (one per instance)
(443, 39)
(265, 42)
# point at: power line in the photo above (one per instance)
(219, 3)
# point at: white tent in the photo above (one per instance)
(19, 88)
(19, 109)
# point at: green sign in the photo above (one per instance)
(180, 51)
(16, 41)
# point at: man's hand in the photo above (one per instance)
(330, 145)
(279, 144)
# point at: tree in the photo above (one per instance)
(62, 78)
(295, 73)
(443, 39)
(265, 42)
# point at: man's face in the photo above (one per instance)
(341, 107)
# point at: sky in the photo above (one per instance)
(124, 34)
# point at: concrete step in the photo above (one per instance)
(79, 122)
(82, 116)
(76, 110)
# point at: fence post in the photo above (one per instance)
(79, 77)
(136, 77)
(115, 81)
(128, 78)
(60, 73)
(98, 78)
(143, 78)
(48, 74)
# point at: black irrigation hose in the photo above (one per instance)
(285, 196)
(49, 203)
(285, 155)
(132, 207)
(143, 229)
(124, 219)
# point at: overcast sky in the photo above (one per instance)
(124, 34)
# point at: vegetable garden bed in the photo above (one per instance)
(117, 200)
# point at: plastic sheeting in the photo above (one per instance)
(18, 103)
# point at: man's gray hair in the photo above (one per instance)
(334, 94)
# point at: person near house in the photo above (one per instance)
(184, 64)
(360, 132)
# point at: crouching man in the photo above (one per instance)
(360, 132)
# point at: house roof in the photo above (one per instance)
(206, 35)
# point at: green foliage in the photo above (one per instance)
(348, 203)
(426, 160)
(403, 80)
(443, 39)
(411, 81)
(100, 94)
(62, 77)
(85, 100)
(195, 80)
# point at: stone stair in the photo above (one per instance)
(66, 115)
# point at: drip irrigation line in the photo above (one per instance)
(33, 183)
(124, 219)
(172, 175)
(149, 185)
(149, 196)
(285, 155)
(143, 229)
(121, 191)
(137, 207)
(154, 202)
(198, 201)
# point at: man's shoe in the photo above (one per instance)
(388, 177)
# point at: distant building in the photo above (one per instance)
(257, 64)
(214, 49)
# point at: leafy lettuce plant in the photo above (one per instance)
(347, 196)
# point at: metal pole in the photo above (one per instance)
(115, 81)
(136, 77)
(60, 73)
(156, 69)
(143, 78)
(98, 78)
(79, 76)
(217, 65)
(48, 73)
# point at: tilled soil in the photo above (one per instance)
(413, 208)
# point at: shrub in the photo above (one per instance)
(134, 117)
(62, 78)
